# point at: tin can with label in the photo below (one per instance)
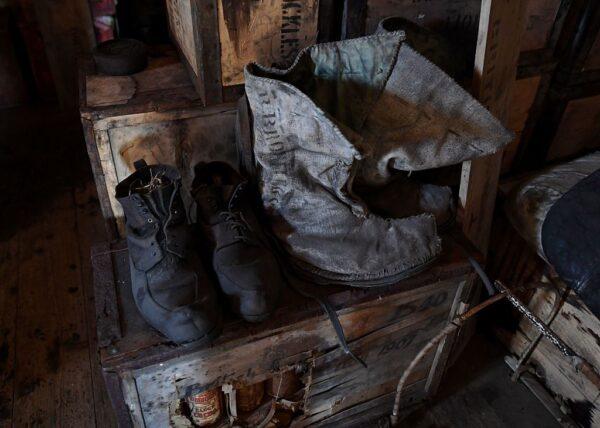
(205, 408)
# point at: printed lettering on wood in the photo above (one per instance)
(180, 21)
(269, 32)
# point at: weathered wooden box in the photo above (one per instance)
(155, 115)
(386, 327)
(217, 38)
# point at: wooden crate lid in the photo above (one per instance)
(127, 340)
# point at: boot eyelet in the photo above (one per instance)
(150, 220)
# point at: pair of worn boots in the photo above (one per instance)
(170, 286)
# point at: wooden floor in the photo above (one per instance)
(49, 374)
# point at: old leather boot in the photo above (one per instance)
(247, 270)
(359, 111)
(169, 285)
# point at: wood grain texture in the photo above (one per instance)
(73, 359)
(182, 30)
(406, 323)
(558, 375)
(579, 129)
(37, 393)
(9, 272)
(539, 21)
(90, 228)
(500, 27)
(524, 93)
(385, 326)
(269, 32)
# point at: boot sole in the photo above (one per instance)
(207, 338)
(324, 279)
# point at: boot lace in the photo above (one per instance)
(238, 224)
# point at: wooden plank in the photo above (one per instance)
(500, 28)
(37, 392)
(579, 129)
(270, 32)
(457, 18)
(160, 115)
(539, 21)
(182, 30)
(67, 30)
(339, 382)
(131, 395)
(354, 18)
(106, 309)
(284, 347)
(164, 77)
(559, 377)
(575, 324)
(442, 353)
(9, 272)
(99, 180)
(523, 96)
(206, 36)
(90, 230)
(365, 413)
(111, 179)
(73, 359)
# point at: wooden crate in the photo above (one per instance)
(155, 115)
(217, 38)
(384, 326)
(457, 19)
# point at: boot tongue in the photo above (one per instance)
(160, 198)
